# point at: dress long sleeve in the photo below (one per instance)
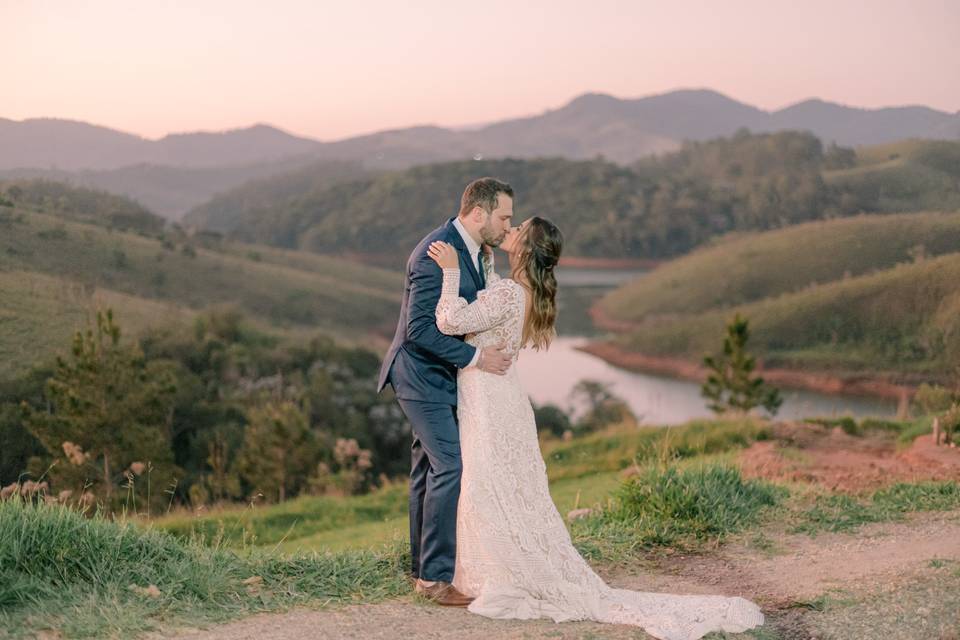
(493, 306)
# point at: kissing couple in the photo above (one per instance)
(484, 531)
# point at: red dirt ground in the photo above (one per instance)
(835, 460)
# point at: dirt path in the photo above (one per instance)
(913, 566)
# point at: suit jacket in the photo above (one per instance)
(422, 363)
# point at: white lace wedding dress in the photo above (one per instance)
(514, 553)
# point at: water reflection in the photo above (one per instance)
(550, 376)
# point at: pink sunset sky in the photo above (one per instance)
(330, 70)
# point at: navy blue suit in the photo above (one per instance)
(421, 366)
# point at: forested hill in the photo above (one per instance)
(657, 208)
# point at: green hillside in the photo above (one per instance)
(743, 268)
(903, 320)
(911, 175)
(79, 203)
(54, 271)
(248, 210)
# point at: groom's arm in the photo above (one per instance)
(426, 284)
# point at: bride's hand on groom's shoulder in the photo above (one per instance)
(444, 255)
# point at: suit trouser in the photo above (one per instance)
(435, 469)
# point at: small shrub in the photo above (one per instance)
(848, 424)
(664, 505)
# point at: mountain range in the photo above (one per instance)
(174, 173)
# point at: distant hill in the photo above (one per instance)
(621, 130)
(657, 208)
(172, 191)
(250, 210)
(48, 143)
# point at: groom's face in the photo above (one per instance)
(497, 223)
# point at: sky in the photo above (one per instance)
(331, 70)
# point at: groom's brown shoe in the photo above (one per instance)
(442, 593)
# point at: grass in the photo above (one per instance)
(292, 519)
(618, 448)
(670, 506)
(335, 523)
(583, 473)
(903, 431)
(85, 576)
(53, 272)
(38, 313)
(904, 320)
(747, 267)
(840, 512)
(906, 175)
(90, 577)
(586, 472)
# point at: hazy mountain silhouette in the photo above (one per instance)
(592, 124)
(47, 143)
(621, 130)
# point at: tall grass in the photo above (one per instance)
(665, 505)
(303, 516)
(90, 577)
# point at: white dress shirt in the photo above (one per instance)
(472, 247)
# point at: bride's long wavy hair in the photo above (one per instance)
(540, 249)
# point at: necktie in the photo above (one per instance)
(483, 269)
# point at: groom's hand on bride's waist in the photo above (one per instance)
(494, 360)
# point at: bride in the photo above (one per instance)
(514, 553)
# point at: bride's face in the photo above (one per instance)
(513, 240)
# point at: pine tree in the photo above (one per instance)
(278, 451)
(108, 408)
(730, 385)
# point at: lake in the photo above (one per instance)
(549, 376)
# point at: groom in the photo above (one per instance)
(421, 366)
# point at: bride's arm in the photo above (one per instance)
(455, 317)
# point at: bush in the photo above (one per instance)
(933, 398)
(552, 419)
(847, 423)
(602, 407)
(664, 505)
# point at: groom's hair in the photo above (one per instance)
(483, 192)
